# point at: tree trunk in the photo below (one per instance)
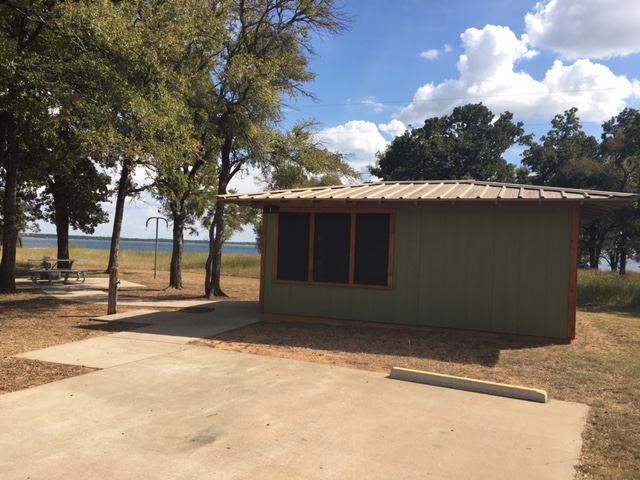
(61, 208)
(214, 261)
(175, 271)
(598, 256)
(10, 157)
(613, 259)
(118, 215)
(216, 230)
(623, 254)
(598, 232)
(592, 245)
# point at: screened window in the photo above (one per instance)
(372, 249)
(346, 247)
(293, 246)
(332, 247)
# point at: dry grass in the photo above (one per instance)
(96, 261)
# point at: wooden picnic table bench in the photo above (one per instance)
(50, 271)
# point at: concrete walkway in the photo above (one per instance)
(164, 409)
(166, 332)
(93, 290)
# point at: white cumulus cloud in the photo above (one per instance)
(358, 138)
(597, 92)
(430, 54)
(585, 29)
(490, 73)
(434, 53)
(393, 128)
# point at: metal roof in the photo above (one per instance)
(594, 203)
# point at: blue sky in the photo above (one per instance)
(401, 64)
(404, 61)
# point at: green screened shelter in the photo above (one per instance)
(477, 256)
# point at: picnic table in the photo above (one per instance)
(51, 269)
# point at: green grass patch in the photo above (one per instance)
(608, 289)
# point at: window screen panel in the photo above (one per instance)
(293, 246)
(331, 247)
(372, 249)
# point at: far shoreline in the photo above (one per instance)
(126, 239)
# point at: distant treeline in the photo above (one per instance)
(97, 237)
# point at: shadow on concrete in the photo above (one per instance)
(444, 346)
(187, 323)
(111, 327)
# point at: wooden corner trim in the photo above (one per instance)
(573, 273)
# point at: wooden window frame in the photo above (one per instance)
(353, 212)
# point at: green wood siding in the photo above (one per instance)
(497, 269)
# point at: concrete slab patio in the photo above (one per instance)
(165, 409)
(201, 413)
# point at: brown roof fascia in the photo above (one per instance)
(314, 203)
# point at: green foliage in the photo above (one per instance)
(566, 156)
(129, 53)
(597, 288)
(190, 90)
(468, 144)
(297, 159)
(621, 149)
(263, 65)
(620, 155)
(29, 81)
(238, 216)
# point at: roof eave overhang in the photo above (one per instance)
(593, 204)
(592, 209)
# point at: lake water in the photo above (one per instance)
(139, 245)
(189, 247)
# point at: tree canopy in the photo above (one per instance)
(297, 158)
(190, 90)
(468, 144)
(263, 65)
(567, 157)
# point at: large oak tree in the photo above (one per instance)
(32, 57)
(468, 144)
(620, 149)
(263, 65)
(567, 157)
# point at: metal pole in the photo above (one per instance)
(155, 261)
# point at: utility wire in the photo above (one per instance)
(446, 99)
